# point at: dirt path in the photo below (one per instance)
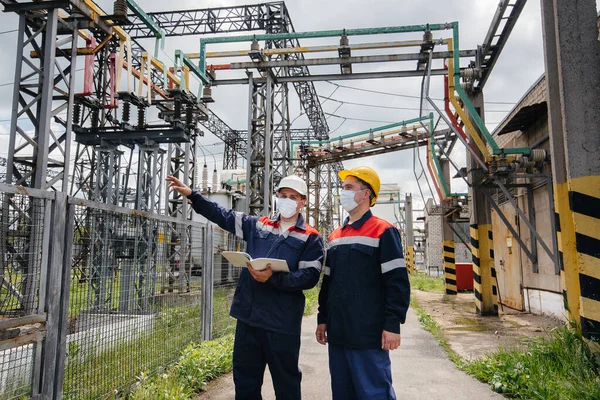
(471, 335)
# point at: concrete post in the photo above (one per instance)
(448, 253)
(482, 246)
(572, 56)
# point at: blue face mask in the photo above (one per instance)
(347, 199)
(287, 207)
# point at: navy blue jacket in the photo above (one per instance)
(278, 304)
(365, 287)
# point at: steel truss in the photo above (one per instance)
(39, 143)
(497, 188)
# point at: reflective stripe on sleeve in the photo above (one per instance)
(238, 225)
(393, 264)
(309, 264)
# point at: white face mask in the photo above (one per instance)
(347, 199)
(287, 207)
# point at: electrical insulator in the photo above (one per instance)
(204, 178)
(95, 118)
(344, 41)
(141, 116)
(428, 37)
(126, 111)
(538, 155)
(189, 115)
(215, 181)
(120, 8)
(177, 110)
(254, 46)
(76, 114)
(207, 94)
(403, 130)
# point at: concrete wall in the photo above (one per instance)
(541, 289)
(433, 249)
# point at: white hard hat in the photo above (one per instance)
(293, 182)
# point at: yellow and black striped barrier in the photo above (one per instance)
(580, 262)
(484, 272)
(410, 259)
(449, 267)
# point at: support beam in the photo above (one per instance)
(335, 77)
(350, 60)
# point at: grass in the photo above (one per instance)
(559, 366)
(104, 371)
(312, 297)
(421, 281)
(223, 324)
(197, 365)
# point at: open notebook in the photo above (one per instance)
(239, 259)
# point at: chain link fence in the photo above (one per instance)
(134, 302)
(115, 294)
(24, 233)
(225, 280)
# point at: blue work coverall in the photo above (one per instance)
(269, 315)
(365, 291)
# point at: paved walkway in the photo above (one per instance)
(420, 368)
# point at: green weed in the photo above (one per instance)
(559, 366)
(422, 281)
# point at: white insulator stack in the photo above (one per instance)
(538, 155)
(215, 181)
(205, 178)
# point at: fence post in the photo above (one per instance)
(207, 283)
(57, 298)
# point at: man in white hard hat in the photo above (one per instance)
(268, 305)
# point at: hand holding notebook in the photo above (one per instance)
(240, 259)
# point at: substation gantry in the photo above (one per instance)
(120, 76)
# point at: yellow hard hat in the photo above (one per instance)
(365, 174)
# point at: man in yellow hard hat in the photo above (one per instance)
(364, 296)
(268, 305)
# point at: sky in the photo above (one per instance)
(519, 66)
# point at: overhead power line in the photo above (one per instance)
(390, 107)
(359, 119)
(403, 95)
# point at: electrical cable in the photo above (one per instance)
(360, 119)
(391, 107)
(404, 95)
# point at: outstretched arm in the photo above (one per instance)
(233, 221)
